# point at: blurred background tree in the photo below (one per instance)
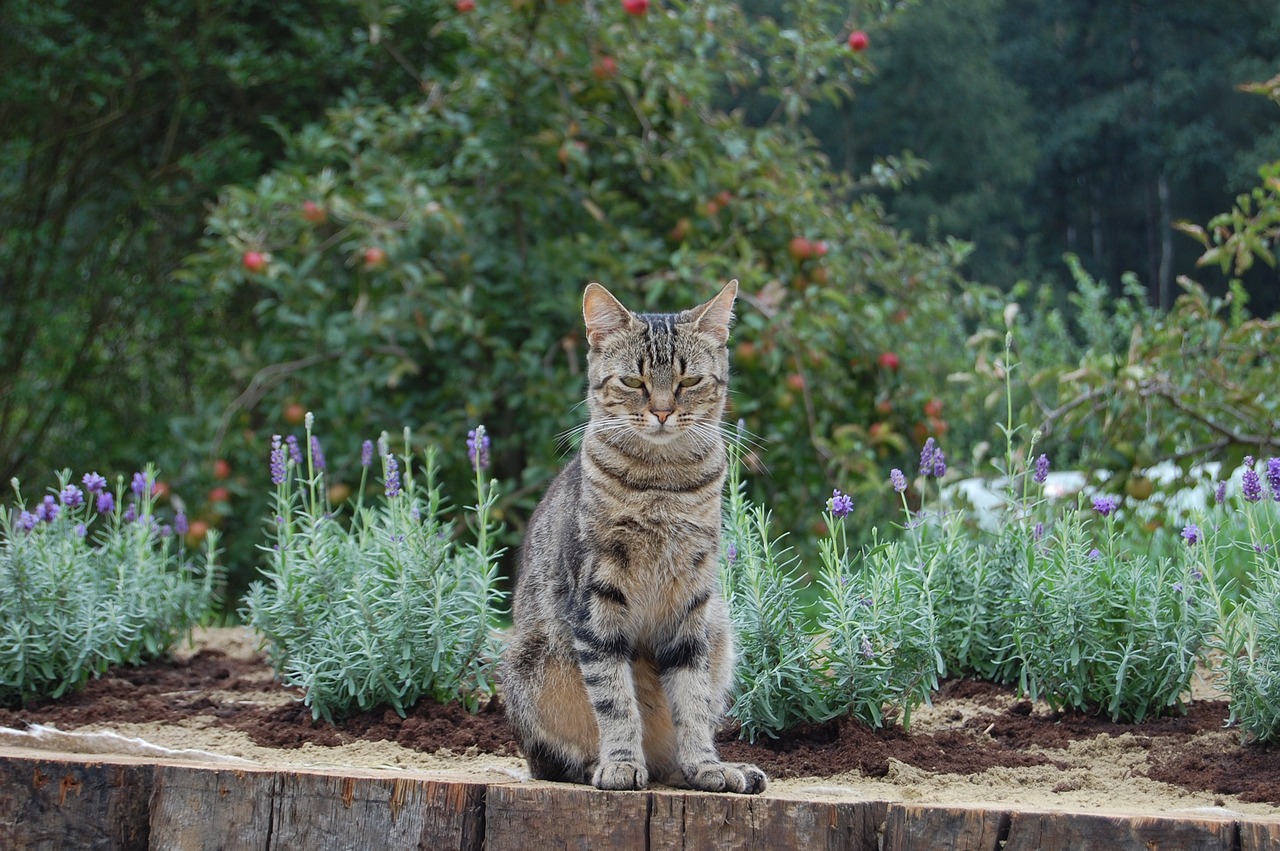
(216, 217)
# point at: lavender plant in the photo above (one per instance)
(879, 643)
(777, 686)
(1248, 623)
(382, 607)
(92, 579)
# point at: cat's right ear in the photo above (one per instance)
(603, 314)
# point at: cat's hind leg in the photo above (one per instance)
(547, 705)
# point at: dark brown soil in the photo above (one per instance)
(208, 683)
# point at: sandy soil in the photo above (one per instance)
(977, 745)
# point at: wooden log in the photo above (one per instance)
(917, 828)
(733, 822)
(232, 809)
(58, 804)
(1054, 831)
(1260, 836)
(564, 816)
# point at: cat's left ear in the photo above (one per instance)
(715, 316)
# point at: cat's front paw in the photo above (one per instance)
(726, 777)
(620, 775)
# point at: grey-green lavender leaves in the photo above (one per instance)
(383, 608)
(91, 580)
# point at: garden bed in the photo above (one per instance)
(979, 764)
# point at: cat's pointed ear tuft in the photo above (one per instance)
(715, 316)
(603, 314)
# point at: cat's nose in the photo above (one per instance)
(661, 415)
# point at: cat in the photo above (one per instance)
(620, 659)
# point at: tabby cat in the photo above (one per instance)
(620, 661)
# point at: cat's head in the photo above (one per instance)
(657, 377)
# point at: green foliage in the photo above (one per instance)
(1248, 618)
(1253, 676)
(1115, 383)
(573, 144)
(1105, 630)
(880, 644)
(119, 125)
(776, 687)
(383, 609)
(85, 590)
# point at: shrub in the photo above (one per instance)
(1248, 618)
(384, 608)
(450, 233)
(91, 580)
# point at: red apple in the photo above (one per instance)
(254, 261)
(858, 41)
(221, 469)
(465, 6)
(606, 68)
(314, 213)
(219, 494)
(800, 248)
(795, 381)
(820, 248)
(374, 257)
(888, 360)
(294, 413)
(635, 7)
(933, 408)
(884, 407)
(196, 532)
(160, 490)
(681, 230)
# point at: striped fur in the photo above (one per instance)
(620, 660)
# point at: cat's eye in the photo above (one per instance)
(633, 382)
(691, 380)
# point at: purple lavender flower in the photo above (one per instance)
(180, 524)
(166, 531)
(277, 461)
(1105, 504)
(1191, 532)
(141, 483)
(1095, 554)
(731, 552)
(939, 464)
(898, 480)
(317, 454)
(94, 483)
(393, 477)
(1251, 484)
(366, 453)
(840, 504)
(868, 652)
(72, 496)
(27, 521)
(1220, 493)
(1037, 532)
(478, 448)
(1177, 586)
(926, 457)
(131, 513)
(1042, 469)
(106, 503)
(295, 452)
(48, 510)
(1273, 477)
